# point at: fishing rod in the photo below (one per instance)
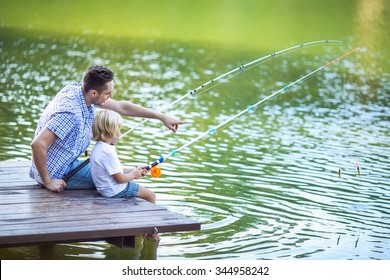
(214, 82)
(156, 172)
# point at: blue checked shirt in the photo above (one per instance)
(69, 118)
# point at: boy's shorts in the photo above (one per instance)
(131, 190)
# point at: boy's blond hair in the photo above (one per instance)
(106, 125)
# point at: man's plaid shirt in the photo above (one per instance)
(68, 117)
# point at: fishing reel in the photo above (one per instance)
(155, 171)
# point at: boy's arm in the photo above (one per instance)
(126, 177)
(127, 170)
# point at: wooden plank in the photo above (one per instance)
(15, 173)
(32, 215)
(36, 233)
(84, 220)
(78, 206)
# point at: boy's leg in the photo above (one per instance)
(146, 194)
(82, 180)
(151, 197)
(133, 189)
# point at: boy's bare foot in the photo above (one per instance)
(155, 237)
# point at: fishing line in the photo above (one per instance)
(155, 172)
(353, 163)
(358, 169)
(343, 163)
(232, 73)
(349, 168)
(343, 101)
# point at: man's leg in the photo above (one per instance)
(82, 180)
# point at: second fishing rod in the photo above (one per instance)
(238, 70)
(153, 167)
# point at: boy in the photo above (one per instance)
(109, 176)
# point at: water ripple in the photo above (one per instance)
(265, 187)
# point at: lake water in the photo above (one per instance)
(266, 186)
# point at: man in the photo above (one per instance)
(65, 128)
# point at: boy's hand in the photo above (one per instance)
(143, 170)
(139, 172)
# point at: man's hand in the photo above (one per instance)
(126, 108)
(171, 122)
(55, 185)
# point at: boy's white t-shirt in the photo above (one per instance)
(105, 163)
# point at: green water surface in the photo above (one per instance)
(264, 187)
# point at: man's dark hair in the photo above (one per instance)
(96, 78)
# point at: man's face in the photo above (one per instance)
(100, 98)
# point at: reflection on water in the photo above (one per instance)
(265, 187)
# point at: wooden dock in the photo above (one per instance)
(32, 215)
